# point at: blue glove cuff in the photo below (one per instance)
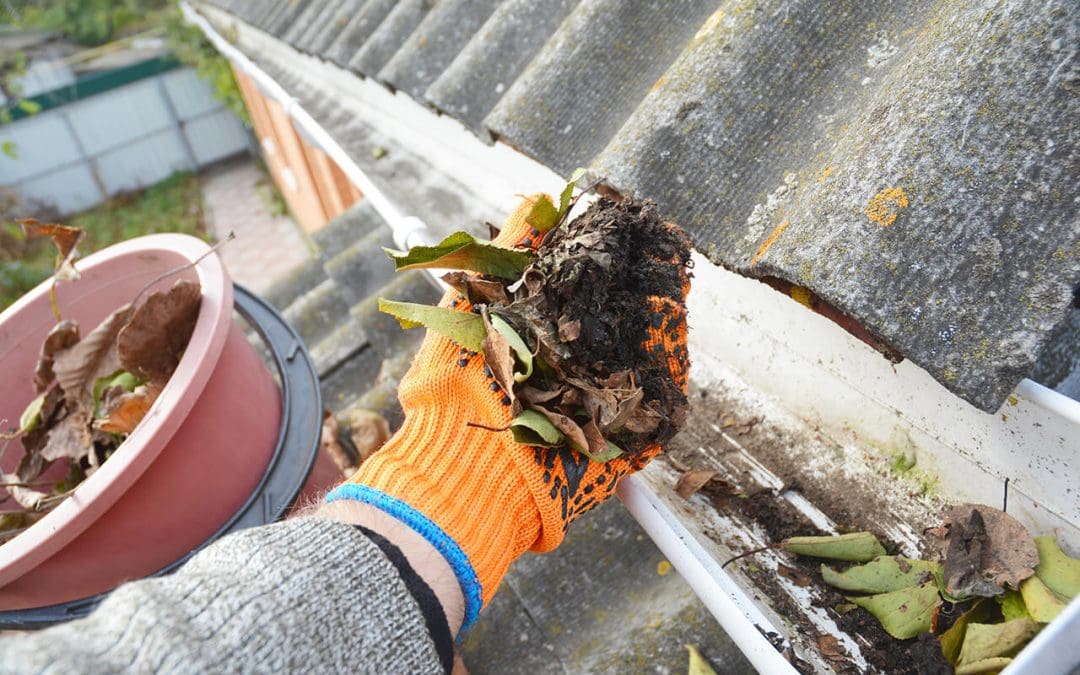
(426, 528)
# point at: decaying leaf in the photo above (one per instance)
(568, 191)
(543, 216)
(368, 431)
(1012, 605)
(992, 665)
(570, 429)
(952, 639)
(78, 367)
(462, 251)
(1059, 572)
(476, 289)
(986, 641)
(793, 574)
(24, 496)
(465, 328)
(1040, 601)
(498, 357)
(330, 444)
(121, 381)
(153, 340)
(124, 412)
(881, 575)
(600, 449)
(533, 428)
(63, 335)
(831, 648)
(987, 551)
(66, 240)
(521, 350)
(692, 481)
(69, 438)
(854, 546)
(698, 664)
(904, 613)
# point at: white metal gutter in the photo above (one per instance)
(813, 367)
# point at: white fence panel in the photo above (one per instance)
(67, 190)
(75, 156)
(42, 142)
(215, 136)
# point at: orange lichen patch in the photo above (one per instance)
(885, 206)
(769, 241)
(802, 295)
(661, 81)
(824, 175)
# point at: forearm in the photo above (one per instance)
(309, 595)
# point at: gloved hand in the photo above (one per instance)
(478, 496)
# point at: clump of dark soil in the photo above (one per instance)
(584, 300)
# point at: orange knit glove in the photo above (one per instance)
(478, 496)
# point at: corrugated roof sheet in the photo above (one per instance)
(913, 164)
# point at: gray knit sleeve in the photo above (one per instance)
(306, 595)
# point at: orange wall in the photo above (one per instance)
(313, 185)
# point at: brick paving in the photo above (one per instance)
(267, 246)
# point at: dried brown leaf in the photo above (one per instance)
(330, 443)
(987, 551)
(499, 357)
(477, 290)
(63, 335)
(32, 464)
(368, 431)
(535, 396)
(151, 343)
(692, 481)
(66, 240)
(69, 438)
(571, 429)
(831, 648)
(78, 367)
(597, 444)
(569, 330)
(25, 497)
(796, 576)
(124, 411)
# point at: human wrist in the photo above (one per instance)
(422, 556)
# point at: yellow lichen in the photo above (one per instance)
(825, 173)
(769, 241)
(802, 295)
(885, 206)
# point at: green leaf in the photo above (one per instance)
(521, 350)
(568, 191)
(611, 453)
(698, 664)
(994, 665)
(1012, 605)
(532, 428)
(1059, 572)
(462, 251)
(1041, 603)
(989, 640)
(120, 378)
(29, 107)
(465, 328)
(31, 417)
(905, 613)
(10, 149)
(952, 639)
(855, 546)
(880, 575)
(543, 215)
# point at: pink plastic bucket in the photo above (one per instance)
(188, 467)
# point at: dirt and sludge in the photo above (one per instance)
(589, 300)
(778, 478)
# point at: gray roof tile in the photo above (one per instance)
(394, 30)
(434, 44)
(357, 31)
(496, 55)
(591, 74)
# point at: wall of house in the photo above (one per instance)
(315, 188)
(75, 155)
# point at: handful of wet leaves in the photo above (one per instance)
(93, 390)
(564, 328)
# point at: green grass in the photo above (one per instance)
(174, 205)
